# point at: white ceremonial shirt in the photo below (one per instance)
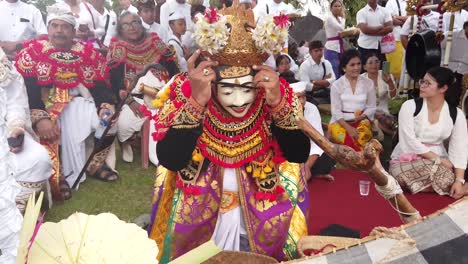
(311, 71)
(303, 54)
(333, 26)
(312, 115)
(372, 18)
(459, 54)
(20, 21)
(344, 102)
(460, 18)
(171, 6)
(417, 135)
(382, 93)
(269, 7)
(163, 34)
(429, 21)
(188, 41)
(130, 9)
(177, 44)
(12, 114)
(392, 8)
(96, 22)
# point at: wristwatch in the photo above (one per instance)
(462, 181)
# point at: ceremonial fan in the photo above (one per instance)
(83, 239)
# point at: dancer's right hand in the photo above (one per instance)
(201, 78)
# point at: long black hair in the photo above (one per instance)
(346, 57)
(445, 76)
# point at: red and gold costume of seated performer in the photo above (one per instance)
(50, 74)
(126, 59)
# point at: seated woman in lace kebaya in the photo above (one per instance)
(420, 161)
(353, 104)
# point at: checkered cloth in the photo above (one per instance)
(440, 238)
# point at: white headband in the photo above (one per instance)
(60, 11)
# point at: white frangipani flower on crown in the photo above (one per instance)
(211, 32)
(271, 33)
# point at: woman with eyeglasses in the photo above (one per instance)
(129, 54)
(420, 161)
(352, 104)
(385, 88)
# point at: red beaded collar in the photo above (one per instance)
(82, 64)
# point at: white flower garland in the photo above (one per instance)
(269, 36)
(211, 35)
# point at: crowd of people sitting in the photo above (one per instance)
(352, 81)
(63, 80)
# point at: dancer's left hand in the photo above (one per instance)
(268, 79)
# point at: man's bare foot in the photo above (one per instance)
(326, 177)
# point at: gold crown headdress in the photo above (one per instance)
(233, 39)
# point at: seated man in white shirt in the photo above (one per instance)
(146, 10)
(374, 22)
(319, 164)
(20, 22)
(318, 74)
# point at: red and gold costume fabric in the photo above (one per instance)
(82, 64)
(188, 196)
(136, 57)
(55, 71)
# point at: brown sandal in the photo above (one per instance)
(65, 189)
(105, 174)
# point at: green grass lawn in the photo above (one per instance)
(127, 198)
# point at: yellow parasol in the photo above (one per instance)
(83, 239)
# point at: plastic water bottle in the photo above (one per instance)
(103, 122)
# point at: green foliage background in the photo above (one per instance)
(352, 7)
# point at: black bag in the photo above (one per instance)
(340, 231)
